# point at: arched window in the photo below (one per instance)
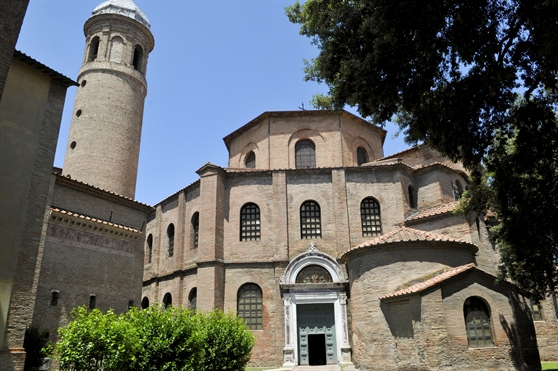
(93, 49)
(149, 248)
(362, 156)
(116, 47)
(310, 220)
(167, 300)
(137, 58)
(145, 303)
(192, 299)
(250, 161)
(305, 154)
(477, 321)
(457, 190)
(249, 303)
(195, 229)
(170, 235)
(313, 274)
(250, 222)
(370, 217)
(412, 197)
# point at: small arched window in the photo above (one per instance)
(310, 220)
(192, 299)
(457, 190)
(370, 217)
(305, 154)
(167, 300)
(170, 237)
(250, 161)
(137, 58)
(362, 156)
(149, 248)
(250, 222)
(195, 229)
(412, 197)
(93, 49)
(477, 321)
(145, 303)
(249, 301)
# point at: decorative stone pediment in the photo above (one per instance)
(313, 266)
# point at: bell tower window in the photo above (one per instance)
(93, 49)
(138, 58)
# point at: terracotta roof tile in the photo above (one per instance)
(93, 219)
(421, 286)
(434, 211)
(404, 234)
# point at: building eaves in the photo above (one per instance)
(92, 219)
(405, 234)
(66, 81)
(362, 167)
(414, 148)
(191, 185)
(99, 192)
(432, 212)
(421, 286)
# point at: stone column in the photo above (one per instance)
(288, 350)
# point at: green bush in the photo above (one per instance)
(152, 340)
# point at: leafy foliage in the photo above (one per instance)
(154, 339)
(449, 73)
(34, 342)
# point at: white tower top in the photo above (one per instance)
(126, 8)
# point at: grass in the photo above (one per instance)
(550, 366)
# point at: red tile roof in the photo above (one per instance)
(92, 219)
(434, 211)
(405, 234)
(421, 286)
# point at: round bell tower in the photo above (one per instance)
(105, 132)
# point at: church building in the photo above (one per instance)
(330, 251)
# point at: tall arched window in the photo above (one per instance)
(477, 322)
(93, 49)
(250, 161)
(192, 299)
(305, 154)
(412, 197)
(137, 58)
(145, 303)
(310, 220)
(170, 236)
(149, 248)
(370, 217)
(362, 156)
(250, 304)
(167, 299)
(195, 229)
(250, 222)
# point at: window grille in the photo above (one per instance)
(251, 160)
(536, 311)
(250, 222)
(310, 220)
(370, 217)
(192, 299)
(362, 156)
(250, 306)
(170, 235)
(477, 321)
(305, 154)
(195, 229)
(457, 190)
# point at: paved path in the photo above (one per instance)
(317, 368)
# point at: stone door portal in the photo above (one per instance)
(316, 334)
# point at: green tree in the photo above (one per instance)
(449, 72)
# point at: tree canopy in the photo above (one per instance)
(476, 80)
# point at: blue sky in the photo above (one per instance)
(216, 65)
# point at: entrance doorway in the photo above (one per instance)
(316, 349)
(316, 334)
